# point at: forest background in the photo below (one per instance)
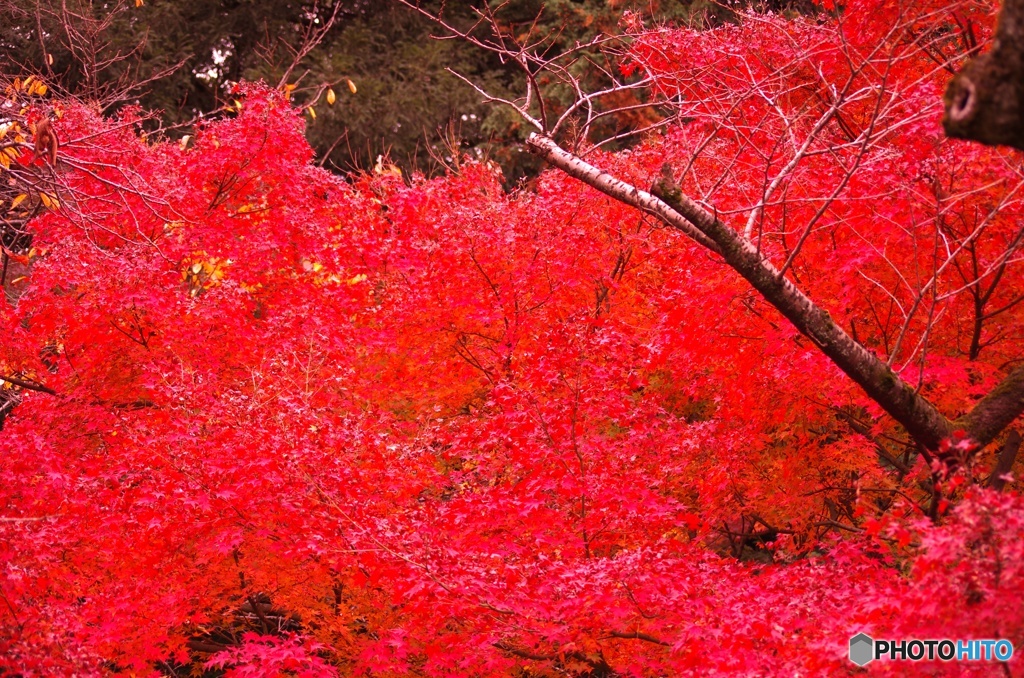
(180, 58)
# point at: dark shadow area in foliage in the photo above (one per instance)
(181, 58)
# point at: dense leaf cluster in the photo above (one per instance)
(264, 420)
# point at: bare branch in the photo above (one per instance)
(578, 168)
(924, 423)
(27, 384)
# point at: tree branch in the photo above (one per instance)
(637, 635)
(1005, 463)
(28, 385)
(925, 424)
(995, 411)
(525, 654)
(578, 168)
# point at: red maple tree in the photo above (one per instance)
(263, 420)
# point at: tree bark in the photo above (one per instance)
(27, 385)
(1005, 463)
(985, 101)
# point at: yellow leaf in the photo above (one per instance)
(34, 85)
(356, 279)
(49, 201)
(49, 59)
(386, 170)
(288, 89)
(184, 141)
(17, 201)
(238, 105)
(312, 112)
(351, 86)
(197, 268)
(138, 3)
(331, 97)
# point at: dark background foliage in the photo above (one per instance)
(182, 58)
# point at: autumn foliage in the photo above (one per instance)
(270, 421)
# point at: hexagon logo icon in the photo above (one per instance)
(861, 649)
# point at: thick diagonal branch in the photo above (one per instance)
(995, 411)
(919, 417)
(625, 193)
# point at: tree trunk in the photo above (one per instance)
(985, 101)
